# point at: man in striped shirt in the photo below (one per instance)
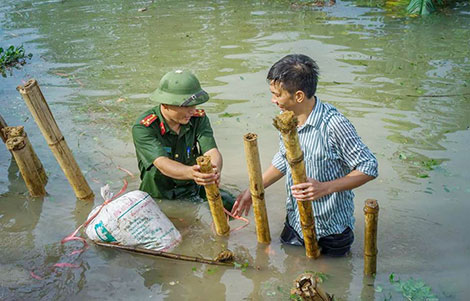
(336, 160)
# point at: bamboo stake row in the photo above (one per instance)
(39, 108)
(214, 199)
(286, 123)
(257, 187)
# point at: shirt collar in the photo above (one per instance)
(314, 117)
(162, 122)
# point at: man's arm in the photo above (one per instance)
(243, 203)
(179, 171)
(345, 141)
(313, 189)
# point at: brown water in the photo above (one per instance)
(380, 71)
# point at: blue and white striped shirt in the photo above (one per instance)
(332, 149)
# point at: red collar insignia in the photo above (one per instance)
(147, 121)
(162, 128)
(199, 113)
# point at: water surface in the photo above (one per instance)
(403, 82)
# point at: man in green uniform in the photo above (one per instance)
(169, 137)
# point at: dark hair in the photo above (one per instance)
(295, 72)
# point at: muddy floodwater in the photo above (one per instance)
(403, 82)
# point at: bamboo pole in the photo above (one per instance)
(215, 200)
(26, 160)
(371, 213)
(39, 108)
(164, 254)
(18, 131)
(286, 123)
(257, 187)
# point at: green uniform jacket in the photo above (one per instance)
(153, 138)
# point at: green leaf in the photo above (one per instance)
(237, 265)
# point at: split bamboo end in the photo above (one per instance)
(16, 143)
(27, 87)
(249, 137)
(285, 122)
(371, 206)
(205, 164)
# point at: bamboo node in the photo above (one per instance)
(16, 143)
(295, 161)
(59, 140)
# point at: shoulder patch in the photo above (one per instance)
(199, 113)
(147, 121)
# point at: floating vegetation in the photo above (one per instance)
(411, 289)
(12, 57)
(228, 115)
(422, 166)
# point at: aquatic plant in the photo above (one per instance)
(12, 57)
(423, 7)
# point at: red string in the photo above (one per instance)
(88, 221)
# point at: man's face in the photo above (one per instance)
(281, 97)
(180, 115)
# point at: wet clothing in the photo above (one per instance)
(332, 149)
(153, 138)
(331, 245)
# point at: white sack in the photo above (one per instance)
(134, 219)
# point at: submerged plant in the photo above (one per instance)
(12, 57)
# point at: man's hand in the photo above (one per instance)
(310, 190)
(205, 178)
(243, 203)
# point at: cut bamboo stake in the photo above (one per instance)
(39, 108)
(256, 187)
(3, 124)
(215, 200)
(306, 287)
(371, 213)
(25, 159)
(18, 131)
(286, 123)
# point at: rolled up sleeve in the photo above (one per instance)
(205, 135)
(279, 159)
(350, 148)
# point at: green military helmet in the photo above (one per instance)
(179, 88)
